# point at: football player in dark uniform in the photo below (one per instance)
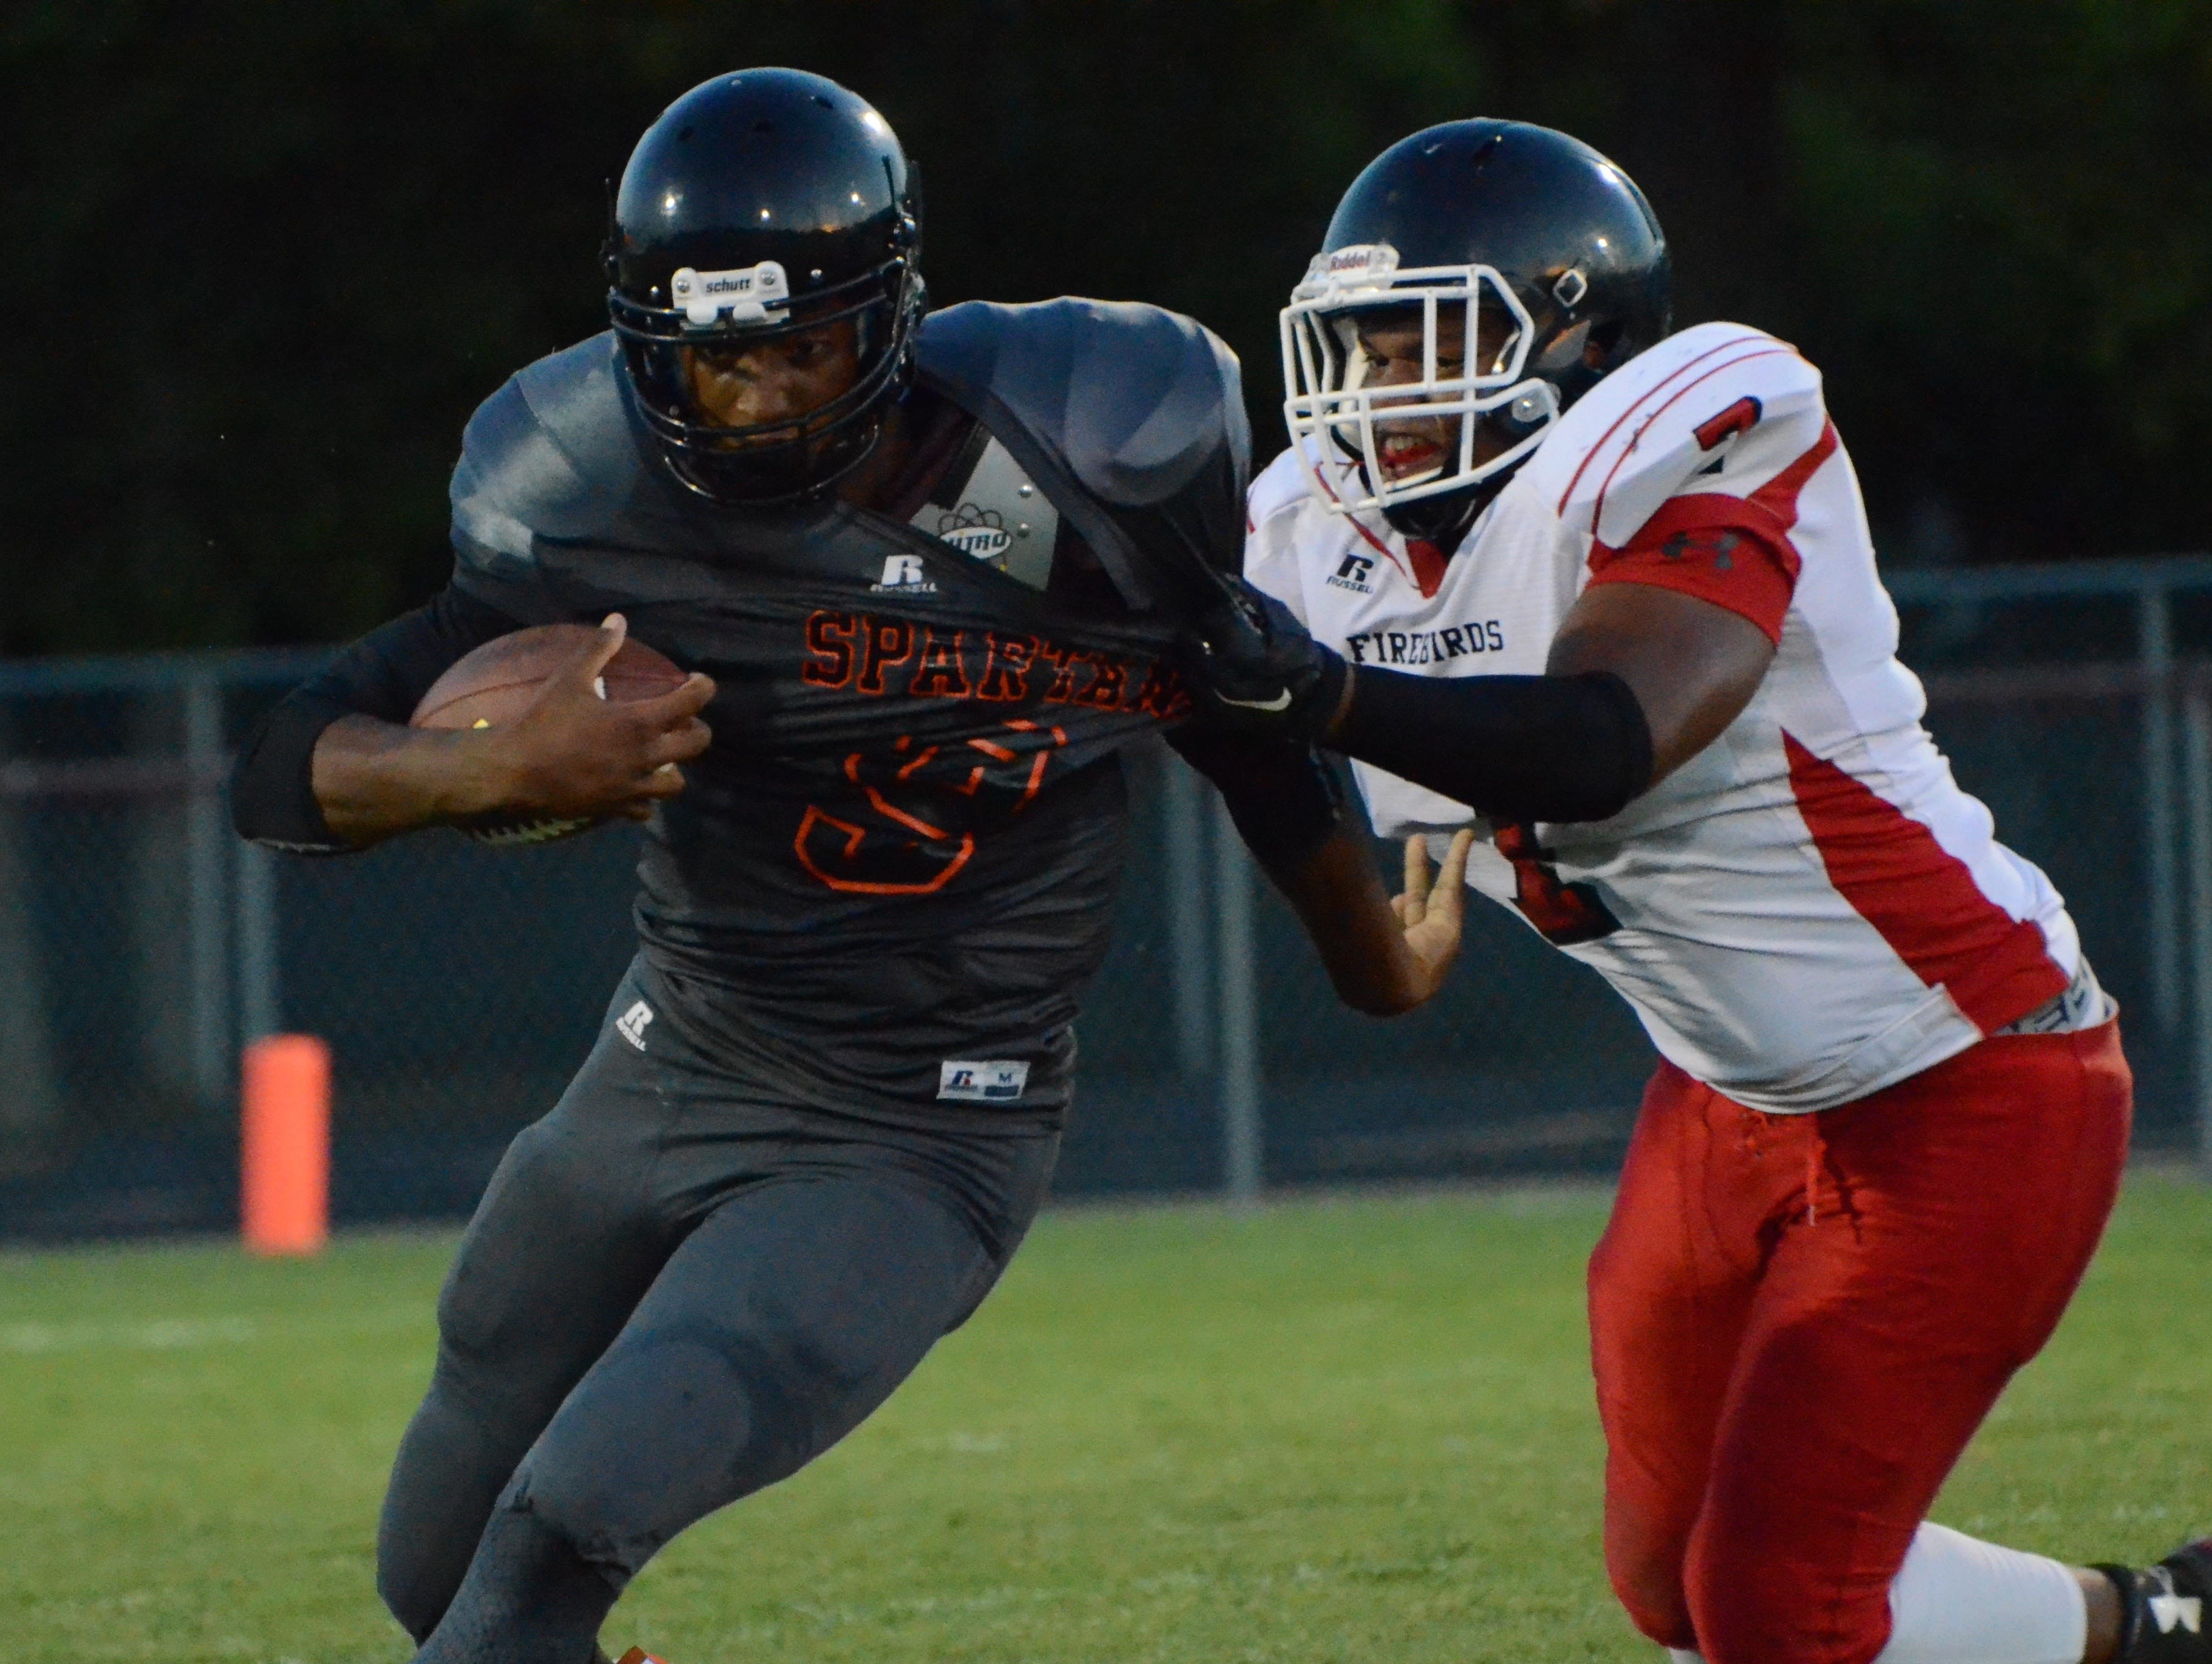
(928, 569)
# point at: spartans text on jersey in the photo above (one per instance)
(871, 654)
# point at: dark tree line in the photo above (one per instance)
(262, 259)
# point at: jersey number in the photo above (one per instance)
(1563, 913)
(1741, 417)
(911, 822)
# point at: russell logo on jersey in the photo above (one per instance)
(1356, 572)
(904, 574)
(999, 1080)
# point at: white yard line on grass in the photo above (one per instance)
(167, 1334)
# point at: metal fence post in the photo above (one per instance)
(1190, 947)
(2154, 646)
(207, 847)
(2197, 777)
(1238, 979)
(30, 1071)
(260, 991)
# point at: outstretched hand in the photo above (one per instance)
(1432, 909)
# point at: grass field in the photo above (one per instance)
(1334, 1429)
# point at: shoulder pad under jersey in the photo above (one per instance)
(1276, 530)
(1130, 417)
(1278, 488)
(552, 455)
(1720, 408)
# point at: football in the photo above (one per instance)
(497, 681)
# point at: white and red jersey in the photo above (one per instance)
(1810, 909)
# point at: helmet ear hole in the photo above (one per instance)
(1565, 348)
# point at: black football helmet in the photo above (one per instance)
(761, 203)
(1561, 270)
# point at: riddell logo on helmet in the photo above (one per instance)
(1361, 261)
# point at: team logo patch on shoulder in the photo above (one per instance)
(904, 574)
(979, 533)
(995, 1082)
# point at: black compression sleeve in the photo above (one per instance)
(1516, 747)
(384, 674)
(1285, 800)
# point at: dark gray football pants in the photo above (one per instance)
(676, 1291)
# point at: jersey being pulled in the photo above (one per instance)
(1810, 909)
(899, 856)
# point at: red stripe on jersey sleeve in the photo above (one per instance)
(1921, 898)
(1733, 553)
(1779, 496)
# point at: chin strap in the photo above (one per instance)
(1446, 518)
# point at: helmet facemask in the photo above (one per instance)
(1492, 395)
(791, 458)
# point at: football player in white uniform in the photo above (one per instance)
(1606, 594)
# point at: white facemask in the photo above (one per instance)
(1329, 411)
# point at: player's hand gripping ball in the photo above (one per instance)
(564, 763)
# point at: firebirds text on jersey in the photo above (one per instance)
(1403, 646)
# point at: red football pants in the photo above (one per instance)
(1797, 1321)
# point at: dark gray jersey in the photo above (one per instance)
(901, 853)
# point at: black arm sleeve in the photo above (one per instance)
(1516, 747)
(1285, 800)
(384, 674)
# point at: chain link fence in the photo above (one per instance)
(141, 945)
